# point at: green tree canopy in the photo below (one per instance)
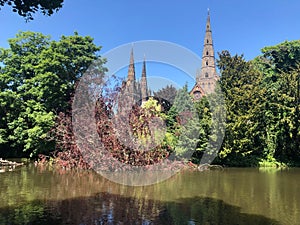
(37, 80)
(169, 93)
(282, 57)
(280, 65)
(241, 85)
(262, 102)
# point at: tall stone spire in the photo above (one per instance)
(131, 69)
(131, 86)
(144, 89)
(208, 69)
(207, 78)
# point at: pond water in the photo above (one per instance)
(31, 195)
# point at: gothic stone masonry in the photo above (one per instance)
(205, 80)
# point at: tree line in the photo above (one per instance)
(38, 77)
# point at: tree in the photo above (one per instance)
(29, 7)
(169, 93)
(37, 81)
(188, 127)
(204, 113)
(280, 65)
(282, 57)
(244, 96)
(262, 101)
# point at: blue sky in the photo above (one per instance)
(242, 27)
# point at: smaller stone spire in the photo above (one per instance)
(144, 89)
(131, 69)
(144, 67)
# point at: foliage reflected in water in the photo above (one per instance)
(31, 195)
(105, 208)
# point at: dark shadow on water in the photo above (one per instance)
(105, 208)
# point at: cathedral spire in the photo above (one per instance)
(208, 75)
(131, 69)
(144, 90)
(208, 21)
(144, 68)
(206, 79)
(208, 69)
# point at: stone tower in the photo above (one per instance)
(144, 89)
(132, 90)
(207, 78)
(131, 84)
(129, 93)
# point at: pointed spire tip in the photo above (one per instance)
(144, 67)
(131, 56)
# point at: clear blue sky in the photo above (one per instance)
(238, 26)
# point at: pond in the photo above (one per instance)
(31, 195)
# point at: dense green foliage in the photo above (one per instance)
(169, 93)
(37, 80)
(29, 7)
(192, 124)
(261, 100)
(245, 136)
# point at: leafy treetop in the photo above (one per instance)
(26, 8)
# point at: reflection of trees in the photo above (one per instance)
(105, 208)
(42, 196)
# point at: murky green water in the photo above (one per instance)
(31, 195)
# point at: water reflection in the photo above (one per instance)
(105, 208)
(236, 196)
